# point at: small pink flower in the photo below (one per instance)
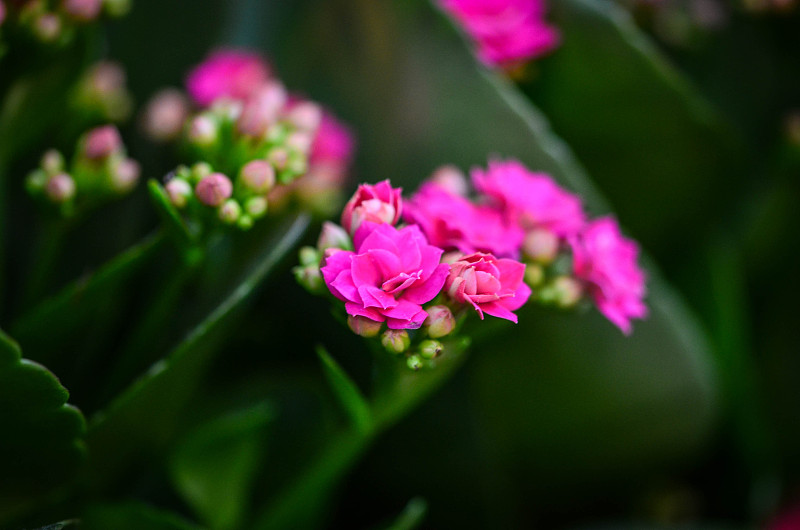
(101, 142)
(233, 74)
(492, 286)
(389, 276)
(533, 199)
(165, 115)
(333, 143)
(379, 203)
(262, 109)
(451, 221)
(607, 262)
(506, 32)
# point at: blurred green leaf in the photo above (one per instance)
(411, 517)
(143, 419)
(214, 466)
(41, 446)
(346, 391)
(132, 516)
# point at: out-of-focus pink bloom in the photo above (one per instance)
(378, 203)
(101, 142)
(165, 115)
(389, 276)
(333, 143)
(533, 199)
(83, 10)
(607, 262)
(453, 222)
(262, 109)
(492, 286)
(233, 74)
(451, 179)
(214, 189)
(2, 12)
(506, 32)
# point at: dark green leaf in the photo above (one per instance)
(346, 391)
(132, 516)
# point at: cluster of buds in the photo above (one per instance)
(56, 22)
(409, 272)
(261, 142)
(99, 169)
(101, 93)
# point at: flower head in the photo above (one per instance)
(492, 286)
(388, 277)
(378, 203)
(333, 143)
(606, 261)
(234, 74)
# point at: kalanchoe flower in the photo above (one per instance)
(165, 115)
(532, 199)
(102, 142)
(506, 32)
(379, 203)
(60, 188)
(453, 222)
(607, 262)
(234, 74)
(333, 144)
(262, 109)
(388, 277)
(257, 176)
(451, 179)
(214, 189)
(492, 286)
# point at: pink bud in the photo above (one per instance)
(333, 236)
(300, 141)
(451, 179)
(179, 192)
(262, 109)
(52, 162)
(2, 12)
(364, 326)
(60, 188)
(440, 321)
(47, 27)
(83, 10)
(125, 174)
(203, 130)
(101, 142)
(395, 340)
(257, 176)
(229, 212)
(541, 244)
(214, 189)
(306, 116)
(279, 157)
(379, 203)
(165, 115)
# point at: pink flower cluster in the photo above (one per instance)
(506, 32)
(234, 74)
(466, 252)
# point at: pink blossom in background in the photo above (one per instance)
(378, 203)
(607, 262)
(492, 286)
(333, 144)
(234, 74)
(2, 12)
(389, 276)
(533, 199)
(451, 221)
(506, 32)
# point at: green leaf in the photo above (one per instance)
(346, 391)
(143, 419)
(42, 444)
(411, 517)
(132, 516)
(214, 466)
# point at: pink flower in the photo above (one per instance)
(453, 222)
(233, 74)
(102, 142)
(391, 273)
(493, 286)
(379, 203)
(532, 199)
(506, 32)
(333, 143)
(606, 261)
(2, 12)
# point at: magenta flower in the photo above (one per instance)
(451, 222)
(333, 143)
(533, 199)
(379, 203)
(506, 32)
(389, 276)
(607, 262)
(234, 74)
(492, 286)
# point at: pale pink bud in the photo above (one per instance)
(262, 109)
(395, 340)
(256, 207)
(179, 192)
(279, 157)
(568, 291)
(47, 27)
(83, 10)
(300, 141)
(60, 188)
(52, 162)
(101, 142)
(440, 321)
(373, 210)
(125, 174)
(451, 179)
(379, 203)
(257, 176)
(306, 116)
(541, 244)
(333, 236)
(203, 130)
(364, 326)
(229, 212)
(214, 189)
(165, 115)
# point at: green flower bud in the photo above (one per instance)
(229, 212)
(414, 362)
(440, 321)
(364, 326)
(309, 256)
(396, 340)
(430, 349)
(256, 207)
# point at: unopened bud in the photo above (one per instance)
(101, 142)
(541, 245)
(165, 115)
(305, 116)
(125, 174)
(36, 181)
(414, 362)
(214, 189)
(256, 207)
(52, 162)
(83, 10)
(262, 110)
(298, 164)
(199, 171)
(117, 8)
(179, 192)
(333, 236)
(300, 141)
(244, 222)
(309, 256)
(440, 321)
(257, 176)
(203, 130)
(568, 291)
(395, 340)
(451, 179)
(279, 158)
(229, 212)
(310, 278)
(47, 27)
(60, 188)
(430, 349)
(364, 326)
(534, 274)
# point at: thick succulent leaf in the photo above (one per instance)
(347, 392)
(213, 468)
(42, 441)
(132, 516)
(143, 419)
